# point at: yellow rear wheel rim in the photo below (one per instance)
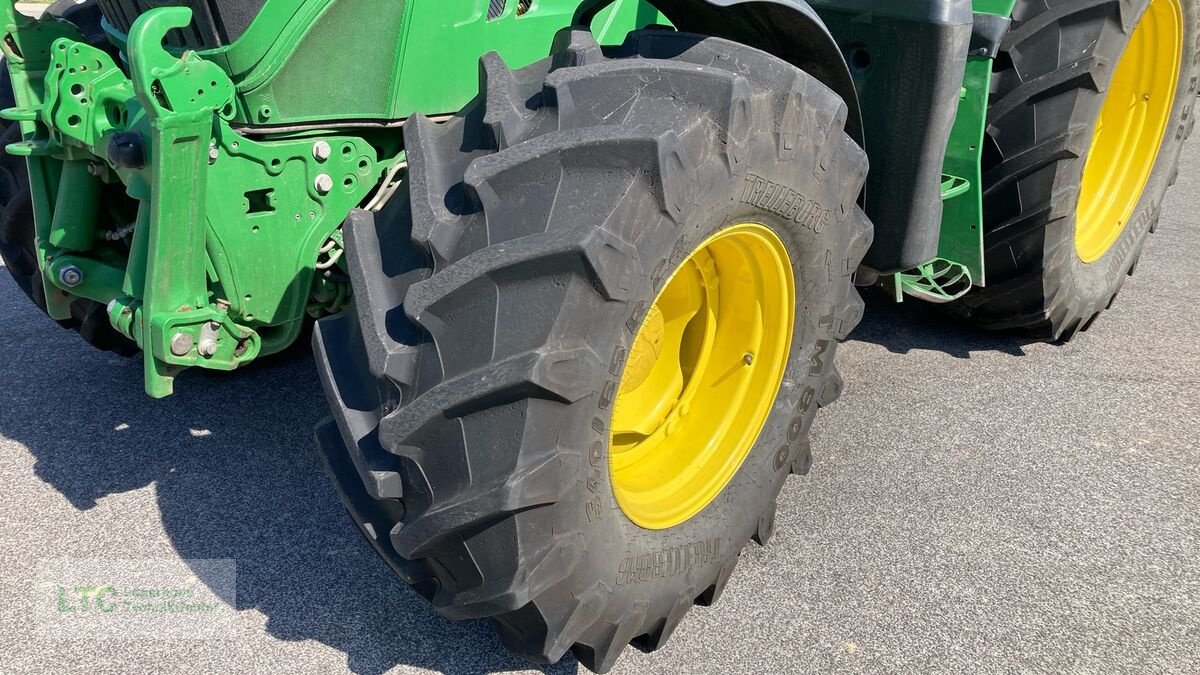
(1131, 129)
(702, 375)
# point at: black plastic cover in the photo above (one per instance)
(907, 60)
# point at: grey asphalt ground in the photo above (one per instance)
(978, 504)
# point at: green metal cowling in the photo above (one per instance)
(293, 65)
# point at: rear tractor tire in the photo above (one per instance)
(1091, 104)
(587, 348)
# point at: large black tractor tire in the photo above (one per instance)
(1054, 71)
(472, 383)
(18, 246)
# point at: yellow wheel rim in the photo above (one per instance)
(702, 375)
(1131, 129)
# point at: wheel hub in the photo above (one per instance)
(1131, 129)
(701, 377)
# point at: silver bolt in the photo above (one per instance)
(324, 184)
(70, 276)
(181, 344)
(213, 154)
(321, 151)
(208, 338)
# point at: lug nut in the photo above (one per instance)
(324, 184)
(70, 276)
(321, 151)
(181, 344)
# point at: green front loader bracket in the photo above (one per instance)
(26, 46)
(225, 233)
(181, 97)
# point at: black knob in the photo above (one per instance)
(127, 150)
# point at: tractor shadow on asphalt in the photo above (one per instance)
(235, 471)
(233, 465)
(915, 325)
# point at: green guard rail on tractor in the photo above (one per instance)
(575, 270)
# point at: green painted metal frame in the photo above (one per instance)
(962, 214)
(961, 239)
(219, 264)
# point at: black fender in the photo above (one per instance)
(789, 29)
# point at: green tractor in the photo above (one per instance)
(574, 271)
